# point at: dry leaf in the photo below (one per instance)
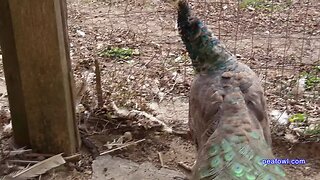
(41, 167)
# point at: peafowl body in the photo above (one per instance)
(227, 109)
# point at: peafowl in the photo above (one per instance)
(227, 109)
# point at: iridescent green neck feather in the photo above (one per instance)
(205, 50)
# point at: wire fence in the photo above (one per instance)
(143, 59)
(145, 67)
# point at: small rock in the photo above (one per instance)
(157, 137)
(291, 138)
(99, 45)
(299, 108)
(280, 117)
(88, 172)
(224, 7)
(136, 52)
(312, 127)
(251, 8)
(99, 38)
(80, 108)
(127, 136)
(227, 74)
(299, 89)
(299, 130)
(153, 105)
(178, 59)
(81, 33)
(292, 101)
(7, 128)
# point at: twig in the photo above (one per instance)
(23, 161)
(126, 145)
(160, 158)
(98, 83)
(122, 112)
(186, 169)
(80, 90)
(18, 152)
(38, 155)
(183, 133)
(73, 158)
(171, 89)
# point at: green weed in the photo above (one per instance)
(118, 53)
(298, 118)
(315, 131)
(265, 4)
(312, 78)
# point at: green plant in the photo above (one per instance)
(115, 52)
(252, 3)
(312, 78)
(314, 131)
(265, 4)
(312, 81)
(298, 118)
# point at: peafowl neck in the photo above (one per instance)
(205, 50)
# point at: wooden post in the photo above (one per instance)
(38, 74)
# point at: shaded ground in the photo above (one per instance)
(121, 169)
(278, 45)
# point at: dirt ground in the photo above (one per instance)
(278, 46)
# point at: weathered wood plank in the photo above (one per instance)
(12, 75)
(38, 29)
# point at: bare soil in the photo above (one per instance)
(278, 45)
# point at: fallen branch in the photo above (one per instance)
(132, 113)
(126, 145)
(154, 119)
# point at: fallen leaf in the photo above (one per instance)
(41, 167)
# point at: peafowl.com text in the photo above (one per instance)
(284, 161)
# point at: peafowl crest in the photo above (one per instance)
(227, 109)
